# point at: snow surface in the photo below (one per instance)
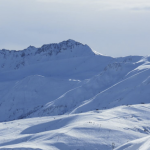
(98, 129)
(67, 96)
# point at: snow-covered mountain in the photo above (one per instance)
(71, 80)
(46, 74)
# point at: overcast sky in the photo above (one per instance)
(111, 27)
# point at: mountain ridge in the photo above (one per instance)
(18, 59)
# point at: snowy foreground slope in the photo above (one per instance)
(67, 96)
(95, 130)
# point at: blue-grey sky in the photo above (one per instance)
(111, 27)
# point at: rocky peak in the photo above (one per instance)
(54, 47)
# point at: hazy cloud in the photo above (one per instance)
(141, 8)
(112, 27)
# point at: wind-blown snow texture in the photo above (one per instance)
(74, 98)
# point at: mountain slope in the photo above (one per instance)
(116, 85)
(133, 89)
(140, 144)
(104, 130)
